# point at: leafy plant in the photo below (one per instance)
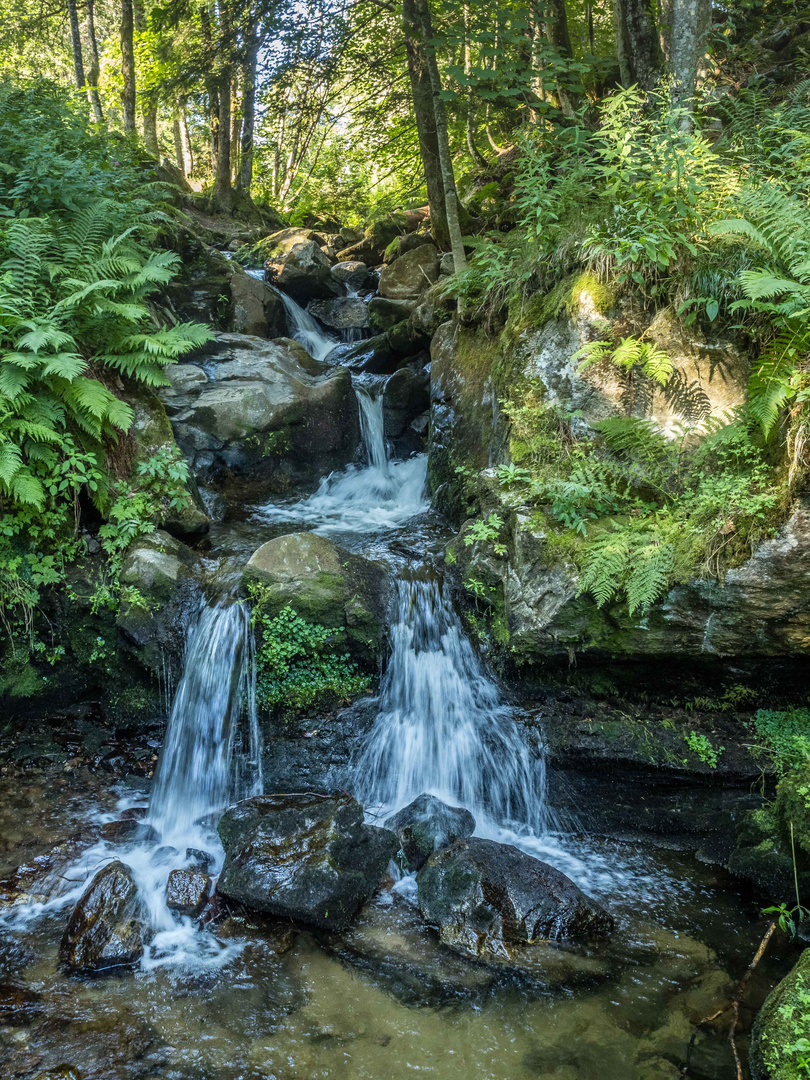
(629, 353)
(487, 531)
(702, 747)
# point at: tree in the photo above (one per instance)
(95, 67)
(76, 43)
(637, 46)
(128, 64)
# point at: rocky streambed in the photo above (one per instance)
(454, 875)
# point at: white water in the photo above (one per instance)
(211, 757)
(304, 329)
(379, 496)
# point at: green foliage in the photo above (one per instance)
(296, 663)
(784, 735)
(487, 531)
(701, 746)
(628, 354)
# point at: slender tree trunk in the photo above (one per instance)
(76, 43)
(474, 152)
(95, 67)
(636, 43)
(178, 145)
(128, 65)
(425, 121)
(245, 177)
(148, 103)
(236, 129)
(559, 35)
(445, 161)
(536, 82)
(222, 175)
(188, 156)
(589, 19)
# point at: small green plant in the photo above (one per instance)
(630, 353)
(783, 734)
(702, 747)
(487, 531)
(297, 665)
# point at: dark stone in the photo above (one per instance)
(187, 891)
(351, 273)
(128, 831)
(426, 825)
(18, 1005)
(383, 354)
(304, 272)
(104, 930)
(201, 859)
(342, 313)
(134, 813)
(406, 397)
(485, 897)
(304, 856)
(383, 314)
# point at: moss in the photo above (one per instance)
(782, 1026)
(19, 678)
(567, 296)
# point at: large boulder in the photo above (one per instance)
(304, 272)
(383, 353)
(411, 274)
(263, 417)
(406, 400)
(782, 1023)
(256, 308)
(325, 585)
(105, 930)
(384, 314)
(303, 856)
(426, 825)
(342, 313)
(485, 897)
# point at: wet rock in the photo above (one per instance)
(134, 812)
(31, 881)
(384, 353)
(342, 313)
(484, 897)
(307, 857)
(325, 585)
(256, 308)
(187, 891)
(18, 1005)
(352, 273)
(105, 929)
(201, 860)
(266, 417)
(406, 396)
(411, 274)
(384, 314)
(782, 1021)
(304, 272)
(128, 831)
(426, 825)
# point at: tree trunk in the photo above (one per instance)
(474, 152)
(95, 67)
(683, 28)
(236, 129)
(148, 103)
(178, 145)
(558, 34)
(128, 65)
(636, 43)
(445, 160)
(188, 157)
(245, 178)
(425, 121)
(76, 43)
(222, 175)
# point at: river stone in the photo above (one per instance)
(187, 891)
(128, 831)
(411, 274)
(484, 897)
(406, 396)
(304, 272)
(105, 930)
(18, 1005)
(325, 585)
(342, 313)
(303, 856)
(400, 245)
(383, 314)
(426, 825)
(352, 273)
(256, 308)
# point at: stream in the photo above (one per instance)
(245, 998)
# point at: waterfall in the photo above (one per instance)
(306, 330)
(198, 772)
(381, 495)
(442, 727)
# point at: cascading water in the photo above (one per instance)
(442, 727)
(381, 495)
(306, 330)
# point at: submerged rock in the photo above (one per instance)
(426, 825)
(105, 930)
(304, 856)
(187, 891)
(18, 1005)
(484, 897)
(129, 831)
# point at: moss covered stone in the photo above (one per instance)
(781, 1034)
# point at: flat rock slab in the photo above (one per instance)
(305, 856)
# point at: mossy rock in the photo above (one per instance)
(783, 1021)
(581, 290)
(324, 585)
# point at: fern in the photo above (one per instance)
(622, 560)
(629, 353)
